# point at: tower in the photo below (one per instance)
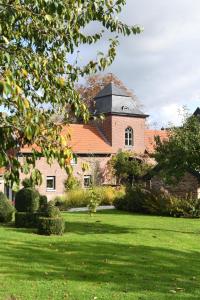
(124, 123)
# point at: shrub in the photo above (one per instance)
(6, 209)
(52, 212)
(27, 200)
(81, 197)
(74, 198)
(49, 226)
(72, 183)
(43, 202)
(27, 219)
(94, 200)
(138, 199)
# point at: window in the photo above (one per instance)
(129, 136)
(51, 183)
(87, 181)
(74, 161)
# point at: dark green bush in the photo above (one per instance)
(27, 183)
(6, 209)
(138, 199)
(26, 219)
(27, 200)
(49, 226)
(43, 202)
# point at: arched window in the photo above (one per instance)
(129, 136)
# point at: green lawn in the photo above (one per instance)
(112, 255)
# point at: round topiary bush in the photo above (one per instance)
(53, 212)
(27, 200)
(49, 226)
(6, 209)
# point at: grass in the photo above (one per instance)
(112, 255)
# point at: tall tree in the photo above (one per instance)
(95, 83)
(38, 41)
(180, 152)
(128, 167)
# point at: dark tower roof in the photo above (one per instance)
(112, 89)
(197, 112)
(115, 100)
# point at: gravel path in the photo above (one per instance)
(103, 207)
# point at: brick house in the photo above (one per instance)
(123, 128)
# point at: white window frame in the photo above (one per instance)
(54, 183)
(87, 177)
(129, 136)
(73, 161)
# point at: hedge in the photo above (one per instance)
(27, 220)
(49, 226)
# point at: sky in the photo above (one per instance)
(161, 65)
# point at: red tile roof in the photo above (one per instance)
(87, 139)
(84, 139)
(150, 138)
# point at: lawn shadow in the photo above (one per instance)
(126, 267)
(95, 227)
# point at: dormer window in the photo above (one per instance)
(129, 137)
(125, 108)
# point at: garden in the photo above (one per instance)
(146, 248)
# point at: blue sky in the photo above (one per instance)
(162, 65)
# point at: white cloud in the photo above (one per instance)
(161, 65)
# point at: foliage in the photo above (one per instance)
(95, 83)
(27, 200)
(39, 59)
(74, 198)
(27, 219)
(27, 183)
(49, 226)
(141, 200)
(94, 200)
(80, 198)
(127, 167)
(42, 202)
(72, 183)
(52, 211)
(180, 152)
(6, 209)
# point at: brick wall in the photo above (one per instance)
(60, 174)
(113, 127)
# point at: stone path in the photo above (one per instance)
(103, 207)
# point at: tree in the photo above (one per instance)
(180, 152)
(95, 83)
(127, 167)
(38, 41)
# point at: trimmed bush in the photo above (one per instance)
(27, 200)
(6, 209)
(43, 202)
(52, 212)
(49, 226)
(27, 220)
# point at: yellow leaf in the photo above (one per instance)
(24, 72)
(61, 81)
(18, 89)
(26, 103)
